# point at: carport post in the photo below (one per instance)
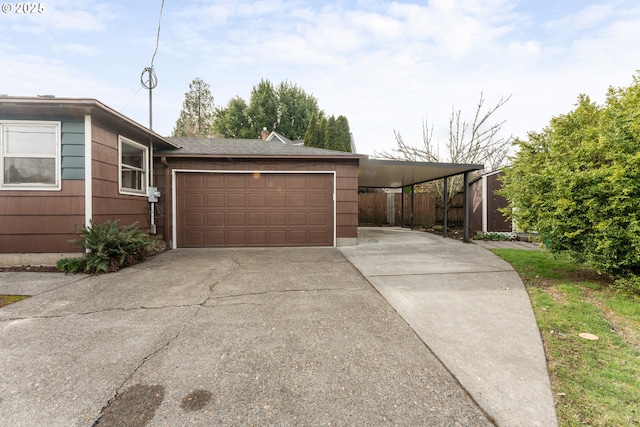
(413, 213)
(465, 224)
(402, 207)
(446, 209)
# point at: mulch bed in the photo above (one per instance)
(31, 269)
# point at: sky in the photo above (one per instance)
(386, 66)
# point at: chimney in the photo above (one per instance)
(264, 134)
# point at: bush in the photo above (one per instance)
(629, 285)
(109, 247)
(577, 182)
(496, 236)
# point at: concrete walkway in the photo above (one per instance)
(471, 309)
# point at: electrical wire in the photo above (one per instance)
(158, 35)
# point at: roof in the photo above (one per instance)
(52, 106)
(249, 148)
(396, 173)
(275, 136)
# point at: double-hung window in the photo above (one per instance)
(133, 167)
(29, 155)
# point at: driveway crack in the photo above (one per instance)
(151, 355)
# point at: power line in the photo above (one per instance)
(158, 35)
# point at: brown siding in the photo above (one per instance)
(496, 221)
(346, 184)
(41, 221)
(108, 203)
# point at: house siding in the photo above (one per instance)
(346, 185)
(45, 221)
(107, 202)
(41, 221)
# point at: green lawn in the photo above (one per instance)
(8, 299)
(597, 382)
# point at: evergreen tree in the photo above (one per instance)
(343, 134)
(331, 139)
(197, 115)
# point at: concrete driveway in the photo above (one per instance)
(221, 337)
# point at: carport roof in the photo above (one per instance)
(396, 173)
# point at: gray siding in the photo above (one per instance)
(72, 148)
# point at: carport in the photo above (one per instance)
(375, 173)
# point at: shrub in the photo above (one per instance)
(629, 285)
(496, 236)
(109, 247)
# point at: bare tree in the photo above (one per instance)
(479, 142)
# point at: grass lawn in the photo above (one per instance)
(8, 299)
(594, 382)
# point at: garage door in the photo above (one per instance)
(259, 209)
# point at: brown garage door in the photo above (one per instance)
(260, 209)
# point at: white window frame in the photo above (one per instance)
(144, 171)
(57, 185)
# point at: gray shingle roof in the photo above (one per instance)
(247, 148)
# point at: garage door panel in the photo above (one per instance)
(215, 200)
(195, 219)
(193, 181)
(235, 182)
(277, 218)
(236, 219)
(318, 219)
(298, 200)
(236, 201)
(215, 238)
(215, 219)
(214, 181)
(298, 219)
(318, 200)
(194, 201)
(257, 200)
(278, 200)
(256, 219)
(254, 209)
(236, 238)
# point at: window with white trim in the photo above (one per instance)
(29, 155)
(133, 167)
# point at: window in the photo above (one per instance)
(133, 167)
(30, 155)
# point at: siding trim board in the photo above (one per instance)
(174, 195)
(88, 182)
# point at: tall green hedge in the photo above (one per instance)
(577, 182)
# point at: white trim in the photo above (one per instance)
(57, 157)
(174, 182)
(145, 171)
(88, 171)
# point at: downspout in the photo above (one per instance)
(167, 184)
(150, 189)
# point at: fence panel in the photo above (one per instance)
(372, 208)
(425, 215)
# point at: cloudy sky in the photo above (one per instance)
(384, 65)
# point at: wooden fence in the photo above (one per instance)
(386, 209)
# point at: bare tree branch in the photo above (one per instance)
(476, 143)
